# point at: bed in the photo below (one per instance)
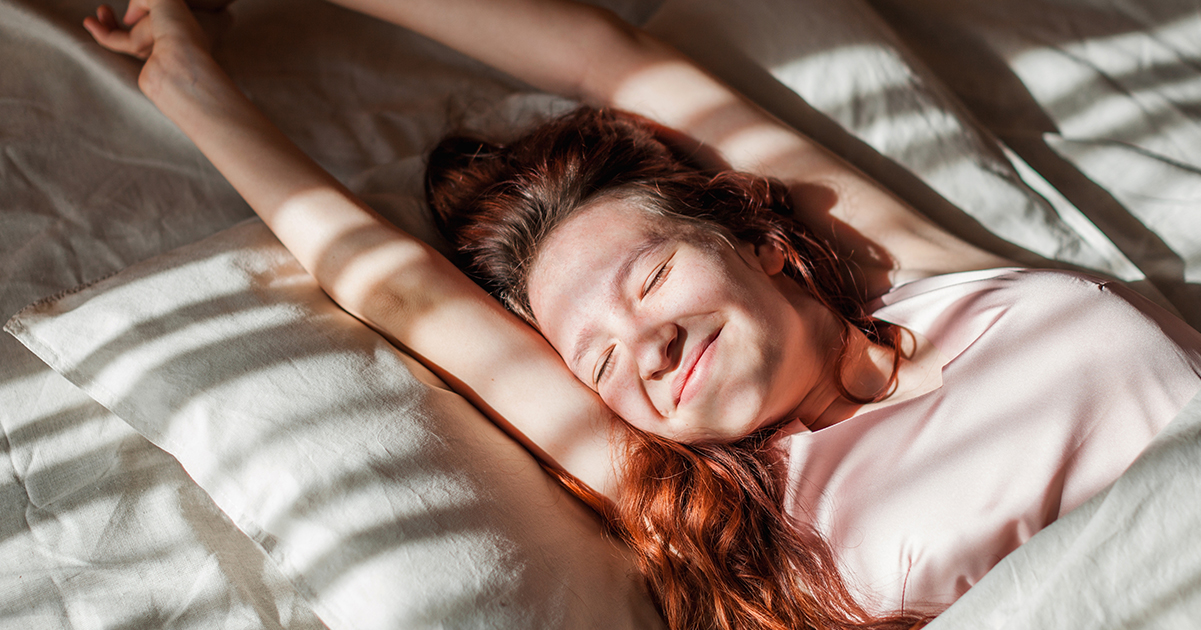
(196, 437)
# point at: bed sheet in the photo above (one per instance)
(99, 528)
(1098, 106)
(1124, 559)
(1102, 99)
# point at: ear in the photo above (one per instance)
(770, 257)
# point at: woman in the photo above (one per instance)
(702, 318)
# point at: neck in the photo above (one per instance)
(867, 370)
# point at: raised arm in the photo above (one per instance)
(387, 278)
(590, 54)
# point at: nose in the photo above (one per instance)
(655, 346)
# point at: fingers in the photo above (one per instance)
(135, 12)
(136, 42)
(104, 21)
(105, 30)
(107, 17)
(147, 23)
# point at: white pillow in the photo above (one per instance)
(387, 500)
(835, 71)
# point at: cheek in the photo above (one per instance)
(623, 394)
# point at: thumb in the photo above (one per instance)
(136, 10)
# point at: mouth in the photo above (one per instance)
(692, 367)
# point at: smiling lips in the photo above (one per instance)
(688, 368)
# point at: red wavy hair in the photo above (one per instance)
(705, 520)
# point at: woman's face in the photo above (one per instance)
(681, 334)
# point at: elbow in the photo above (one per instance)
(387, 312)
(386, 288)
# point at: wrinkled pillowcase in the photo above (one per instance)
(837, 72)
(387, 500)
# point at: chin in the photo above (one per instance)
(729, 432)
(752, 417)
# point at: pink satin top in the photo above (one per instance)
(1055, 382)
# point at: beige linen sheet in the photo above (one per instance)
(1044, 129)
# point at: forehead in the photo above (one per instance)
(601, 229)
(571, 275)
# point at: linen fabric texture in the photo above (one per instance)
(383, 497)
(100, 527)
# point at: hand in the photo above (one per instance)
(163, 33)
(148, 24)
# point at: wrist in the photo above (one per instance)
(177, 71)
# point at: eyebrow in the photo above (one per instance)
(631, 259)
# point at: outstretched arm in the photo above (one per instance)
(590, 54)
(387, 278)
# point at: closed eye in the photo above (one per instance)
(657, 278)
(602, 368)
